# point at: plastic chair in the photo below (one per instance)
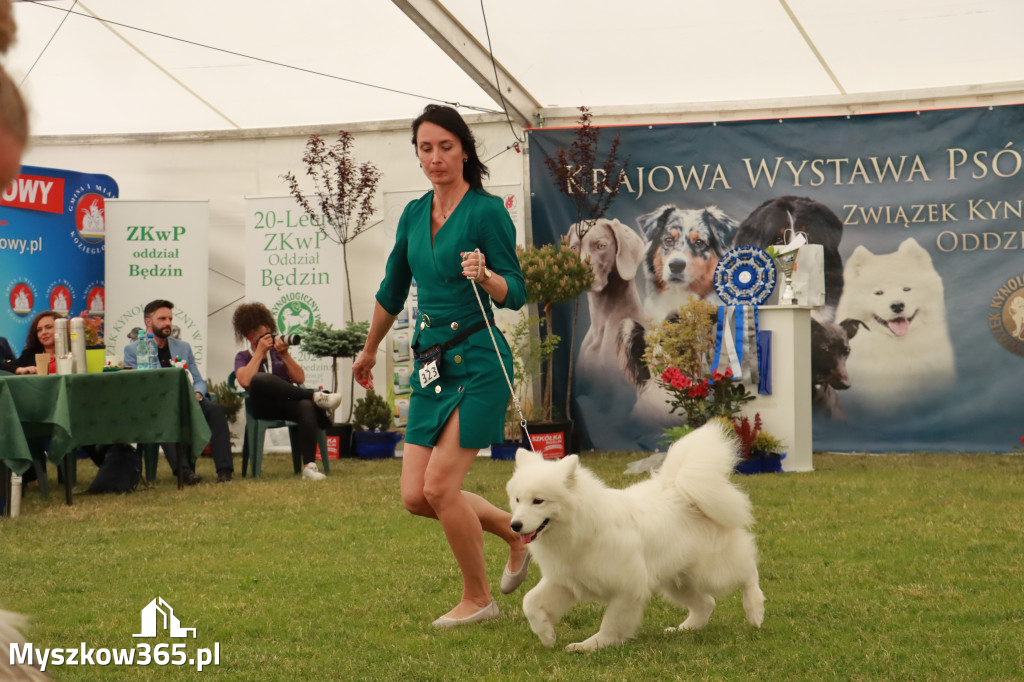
(255, 434)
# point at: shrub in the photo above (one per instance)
(372, 413)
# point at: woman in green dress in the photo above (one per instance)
(452, 238)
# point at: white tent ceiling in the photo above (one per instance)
(135, 66)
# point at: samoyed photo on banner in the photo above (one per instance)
(920, 216)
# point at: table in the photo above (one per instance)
(131, 406)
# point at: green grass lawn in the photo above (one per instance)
(874, 567)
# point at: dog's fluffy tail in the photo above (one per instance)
(699, 465)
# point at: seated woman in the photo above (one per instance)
(40, 339)
(270, 374)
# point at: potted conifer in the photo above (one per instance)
(529, 352)
(324, 341)
(370, 437)
(554, 273)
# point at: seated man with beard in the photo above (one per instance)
(158, 317)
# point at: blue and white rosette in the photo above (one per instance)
(745, 276)
(744, 279)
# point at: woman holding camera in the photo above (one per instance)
(271, 375)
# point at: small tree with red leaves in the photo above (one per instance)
(343, 204)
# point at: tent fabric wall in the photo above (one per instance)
(227, 166)
(225, 171)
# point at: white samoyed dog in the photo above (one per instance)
(682, 533)
(903, 355)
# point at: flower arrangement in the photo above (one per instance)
(93, 329)
(753, 438)
(712, 395)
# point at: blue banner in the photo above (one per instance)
(52, 231)
(921, 218)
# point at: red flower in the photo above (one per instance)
(698, 390)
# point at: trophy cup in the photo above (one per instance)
(785, 256)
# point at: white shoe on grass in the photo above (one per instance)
(311, 473)
(327, 401)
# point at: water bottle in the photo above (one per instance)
(154, 357)
(142, 352)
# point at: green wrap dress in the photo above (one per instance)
(471, 377)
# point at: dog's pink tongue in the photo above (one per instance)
(899, 326)
(527, 539)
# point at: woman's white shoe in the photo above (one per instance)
(486, 613)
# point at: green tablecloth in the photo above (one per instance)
(152, 406)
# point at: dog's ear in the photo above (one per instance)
(918, 253)
(648, 222)
(526, 457)
(721, 226)
(856, 261)
(850, 326)
(630, 251)
(572, 237)
(569, 464)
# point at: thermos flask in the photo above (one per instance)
(77, 326)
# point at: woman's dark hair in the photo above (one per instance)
(32, 342)
(249, 317)
(473, 171)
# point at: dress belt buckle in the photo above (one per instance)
(424, 320)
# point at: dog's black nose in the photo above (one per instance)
(897, 307)
(677, 266)
(517, 526)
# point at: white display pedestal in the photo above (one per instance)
(786, 413)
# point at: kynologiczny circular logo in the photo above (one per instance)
(22, 298)
(295, 312)
(91, 218)
(1006, 315)
(60, 297)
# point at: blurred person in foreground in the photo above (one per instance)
(13, 138)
